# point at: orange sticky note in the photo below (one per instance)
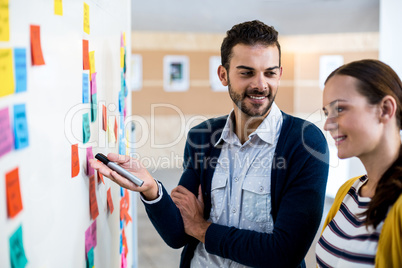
(36, 47)
(116, 127)
(14, 202)
(85, 54)
(100, 177)
(110, 201)
(104, 117)
(92, 198)
(123, 234)
(75, 161)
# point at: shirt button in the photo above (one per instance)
(236, 179)
(261, 188)
(234, 210)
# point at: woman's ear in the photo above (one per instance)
(223, 75)
(388, 108)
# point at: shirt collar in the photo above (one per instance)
(267, 131)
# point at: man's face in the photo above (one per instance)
(253, 78)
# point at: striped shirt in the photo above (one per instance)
(346, 241)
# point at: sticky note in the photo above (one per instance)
(6, 136)
(17, 252)
(86, 128)
(122, 57)
(93, 83)
(115, 127)
(90, 258)
(122, 144)
(85, 54)
(58, 7)
(75, 161)
(36, 47)
(4, 21)
(93, 234)
(6, 72)
(14, 202)
(90, 155)
(123, 233)
(85, 88)
(86, 18)
(21, 137)
(121, 101)
(104, 118)
(110, 131)
(94, 107)
(91, 64)
(100, 177)
(90, 237)
(92, 198)
(20, 64)
(110, 201)
(123, 259)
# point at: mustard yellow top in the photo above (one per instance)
(389, 252)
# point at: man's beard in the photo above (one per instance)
(238, 99)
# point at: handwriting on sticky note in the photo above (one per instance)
(92, 198)
(86, 128)
(20, 127)
(86, 18)
(94, 107)
(90, 170)
(6, 72)
(20, 63)
(4, 21)
(91, 63)
(6, 136)
(75, 161)
(110, 201)
(85, 88)
(58, 7)
(14, 201)
(36, 47)
(90, 237)
(93, 233)
(85, 54)
(17, 252)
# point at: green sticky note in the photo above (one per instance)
(94, 106)
(86, 128)
(17, 252)
(90, 258)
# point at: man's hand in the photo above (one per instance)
(192, 210)
(149, 189)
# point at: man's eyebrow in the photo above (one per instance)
(250, 68)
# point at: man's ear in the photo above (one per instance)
(388, 108)
(223, 75)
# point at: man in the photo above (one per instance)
(253, 184)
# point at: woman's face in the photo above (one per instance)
(351, 120)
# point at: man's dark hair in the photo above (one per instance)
(248, 33)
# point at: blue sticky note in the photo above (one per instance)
(17, 252)
(121, 101)
(121, 243)
(94, 106)
(20, 63)
(86, 128)
(85, 88)
(121, 191)
(90, 258)
(21, 139)
(122, 144)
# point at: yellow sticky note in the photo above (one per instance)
(91, 64)
(58, 7)
(4, 21)
(122, 57)
(124, 39)
(86, 18)
(110, 131)
(6, 72)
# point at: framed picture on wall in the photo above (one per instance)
(328, 63)
(176, 73)
(216, 85)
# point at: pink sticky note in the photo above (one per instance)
(6, 136)
(93, 233)
(93, 83)
(88, 240)
(90, 155)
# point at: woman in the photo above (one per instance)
(362, 102)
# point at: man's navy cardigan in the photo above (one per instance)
(298, 181)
